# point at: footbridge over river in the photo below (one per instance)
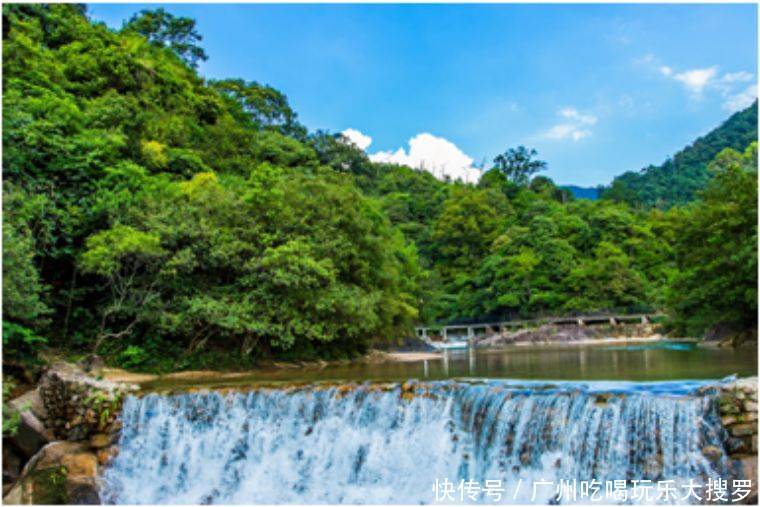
(485, 329)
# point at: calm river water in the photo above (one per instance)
(664, 360)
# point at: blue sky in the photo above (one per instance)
(596, 89)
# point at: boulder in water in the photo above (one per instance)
(344, 389)
(601, 399)
(712, 453)
(653, 467)
(409, 386)
(105, 456)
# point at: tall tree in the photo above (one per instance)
(165, 29)
(519, 164)
(263, 105)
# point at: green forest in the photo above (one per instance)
(166, 221)
(680, 179)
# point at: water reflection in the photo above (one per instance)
(597, 363)
(535, 362)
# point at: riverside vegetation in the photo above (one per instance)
(166, 221)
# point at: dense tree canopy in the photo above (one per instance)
(166, 221)
(716, 249)
(166, 30)
(162, 212)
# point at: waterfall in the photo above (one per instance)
(391, 443)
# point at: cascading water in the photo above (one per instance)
(374, 444)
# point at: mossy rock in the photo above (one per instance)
(61, 473)
(49, 486)
(40, 487)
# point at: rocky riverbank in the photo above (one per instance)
(567, 333)
(265, 370)
(67, 429)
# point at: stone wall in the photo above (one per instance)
(79, 406)
(737, 405)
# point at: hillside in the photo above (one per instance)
(678, 179)
(166, 221)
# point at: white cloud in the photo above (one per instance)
(573, 114)
(737, 94)
(566, 131)
(574, 127)
(737, 77)
(696, 80)
(362, 141)
(739, 101)
(434, 154)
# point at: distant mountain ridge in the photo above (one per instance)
(678, 179)
(591, 193)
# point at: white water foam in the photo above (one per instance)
(372, 446)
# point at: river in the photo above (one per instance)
(515, 418)
(639, 361)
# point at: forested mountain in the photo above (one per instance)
(167, 221)
(678, 180)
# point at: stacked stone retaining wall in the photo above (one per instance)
(737, 406)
